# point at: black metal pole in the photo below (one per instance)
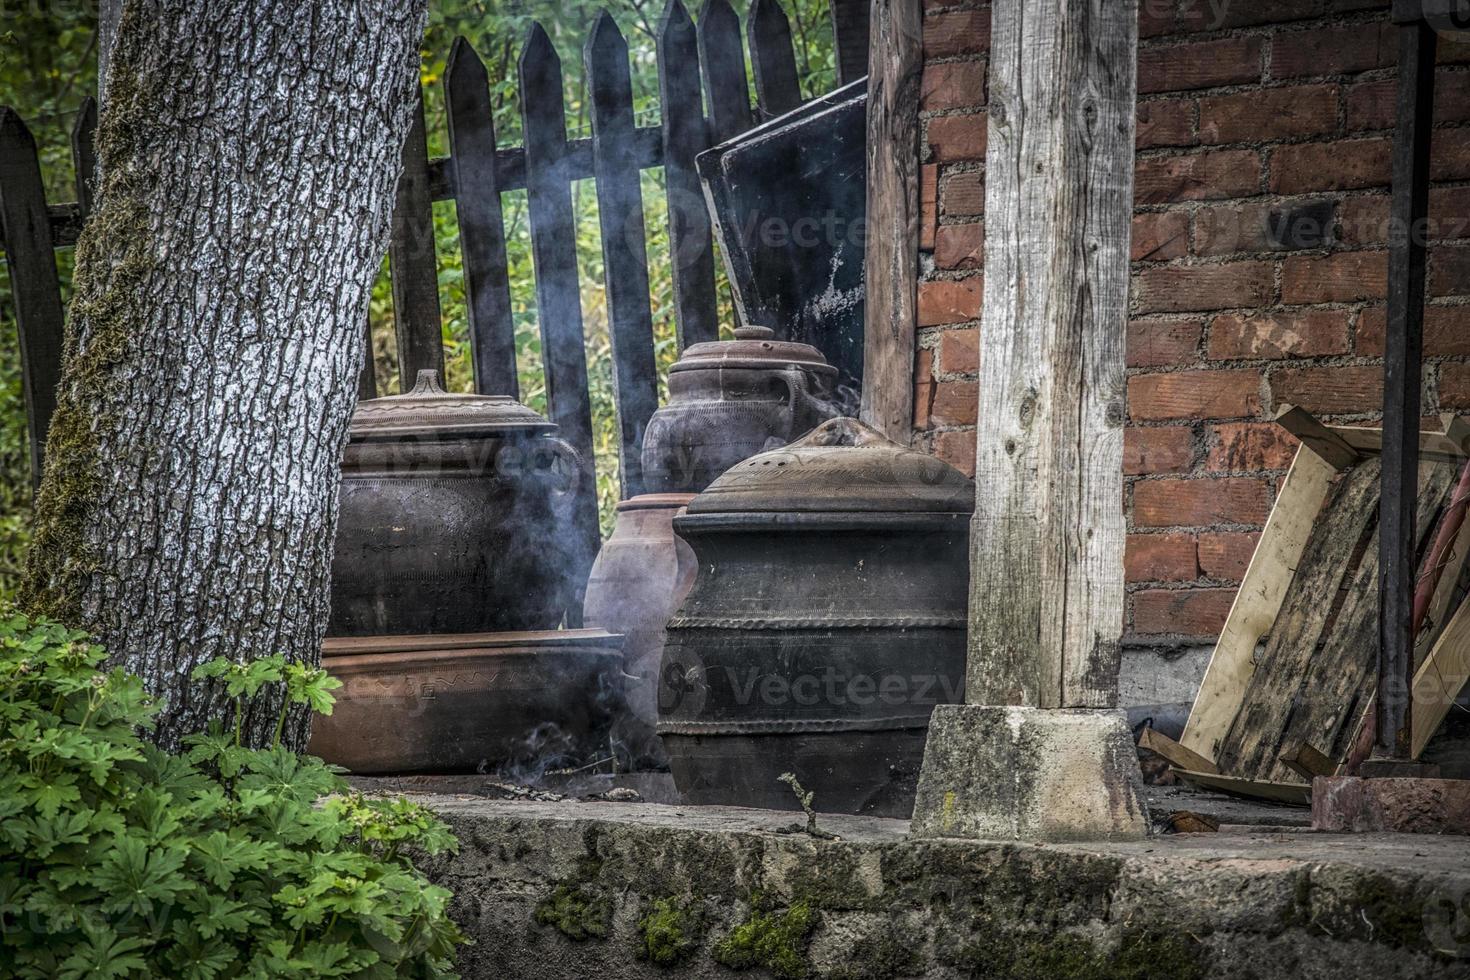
(1401, 388)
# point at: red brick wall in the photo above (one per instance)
(1259, 264)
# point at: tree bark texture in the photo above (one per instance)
(1046, 611)
(249, 151)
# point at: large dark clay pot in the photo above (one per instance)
(641, 575)
(453, 517)
(826, 621)
(729, 400)
(512, 703)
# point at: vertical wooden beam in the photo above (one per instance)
(471, 121)
(1046, 597)
(691, 241)
(773, 58)
(412, 263)
(25, 230)
(1402, 361)
(891, 259)
(851, 23)
(624, 244)
(722, 59)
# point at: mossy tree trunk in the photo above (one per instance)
(249, 151)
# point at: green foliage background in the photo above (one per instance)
(48, 64)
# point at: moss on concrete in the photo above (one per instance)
(668, 933)
(999, 953)
(886, 954)
(578, 907)
(775, 941)
(576, 912)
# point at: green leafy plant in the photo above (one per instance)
(120, 860)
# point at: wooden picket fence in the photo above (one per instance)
(704, 99)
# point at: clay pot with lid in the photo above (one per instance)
(729, 400)
(453, 517)
(826, 622)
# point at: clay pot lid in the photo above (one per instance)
(753, 348)
(840, 466)
(429, 410)
(655, 501)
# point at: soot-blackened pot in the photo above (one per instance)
(453, 517)
(509, 703)
(826, 622)
(729, 400)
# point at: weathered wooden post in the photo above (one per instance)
(1034, 753)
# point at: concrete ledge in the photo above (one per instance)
(609, 890)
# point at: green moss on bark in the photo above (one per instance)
(114, 262)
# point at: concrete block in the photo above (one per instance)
(1007, 773)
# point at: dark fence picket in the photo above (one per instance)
(722, 60)
(554, 257)
(691, 240)
(850, 26)
(413, 262)
(30, 258)
(367, 379)
(773, 57)
(471, 121)
(624, 248)
(84, 156)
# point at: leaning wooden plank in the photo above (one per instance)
(624, 248)
(1432, 445)
(1441, 679)
(1313, 597)
(1308, 762)
(25, 232)
(1257, 602)
(1317, 437)
(1312, 682)
(1293, 794)
(1342, 690)
(1160, 744)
